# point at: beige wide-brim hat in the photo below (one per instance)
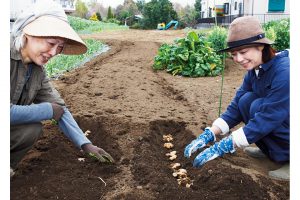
(47, 26)
(245, 31)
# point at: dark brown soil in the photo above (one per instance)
(128, 107)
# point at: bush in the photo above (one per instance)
(282, 35)
(270, 34)
(99, 16)
(217, 37)
(113, 20)
(79, 24)
(280, 31)
(94, 17)
(190, 56)
(136, 26)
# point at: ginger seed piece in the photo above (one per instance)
(168, 145)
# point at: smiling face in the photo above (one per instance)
(249, 57)
(40, 49)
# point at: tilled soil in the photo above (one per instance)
(128, 107)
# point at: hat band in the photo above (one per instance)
(246, 41)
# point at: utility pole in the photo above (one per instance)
(243, 7)
(216, 23)
(252, 6)
(230, 11)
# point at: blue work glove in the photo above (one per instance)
(216, 150)
(206, 137)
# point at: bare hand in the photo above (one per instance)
(97, 153)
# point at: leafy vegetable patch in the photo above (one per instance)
(190, 56)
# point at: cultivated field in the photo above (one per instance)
(128, 108)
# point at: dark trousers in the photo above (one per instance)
(274, 145)
(22, 138)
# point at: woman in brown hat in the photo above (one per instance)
(262, 102)
(39, 34)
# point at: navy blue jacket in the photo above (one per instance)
(270, 127)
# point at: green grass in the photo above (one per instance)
(62, 63)
(84, 26)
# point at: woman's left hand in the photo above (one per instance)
(97, 153)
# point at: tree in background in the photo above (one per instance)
(80, 9)
(157, 11)
(96, 7)
(177, 7)
(110, 14)
(197, 6)
(187, 16)
(140, 5)
(126, 11)
(123, 15)
(99, 16)
(94, 17)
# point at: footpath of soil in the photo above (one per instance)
(128, 108)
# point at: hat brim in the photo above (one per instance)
(257, 42)
(46, 26)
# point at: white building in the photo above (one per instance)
(230, 7)
(255, 7)
(18, 6)
(265, 10)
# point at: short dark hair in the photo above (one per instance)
(268, 53)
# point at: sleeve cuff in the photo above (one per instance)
(71, 129)
(239, 138)
(221, 124)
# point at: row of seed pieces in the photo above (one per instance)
(179, 173)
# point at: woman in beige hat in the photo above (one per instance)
(39, 34)
(262, 102)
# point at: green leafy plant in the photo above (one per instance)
(279, 31)
(282, 35)
(190, 56)
(217, 37)
(270, 34)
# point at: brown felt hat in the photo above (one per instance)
(48, 26)
(245, 31)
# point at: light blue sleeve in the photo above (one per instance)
(23, 114)
(71, 129)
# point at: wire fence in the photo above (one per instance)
(226, 20)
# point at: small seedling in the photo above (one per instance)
(102, 158)
(54, 122)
